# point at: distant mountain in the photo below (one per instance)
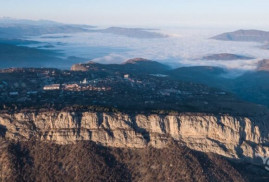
(137, 65)
(133, 32)
(244, 35)
(12, 55)
(15, 22)
(226, 57)
(12, 21)
(20, 56)
(19, 42)
(15, 28)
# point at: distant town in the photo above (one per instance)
(114, 89)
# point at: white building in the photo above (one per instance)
(126, 76)
(52, 87)
(84, 81)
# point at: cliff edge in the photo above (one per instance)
(230, 136)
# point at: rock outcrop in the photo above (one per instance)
(233, 137)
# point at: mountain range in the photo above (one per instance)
(134, 32)
(16, 28)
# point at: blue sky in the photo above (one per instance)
(252, 13)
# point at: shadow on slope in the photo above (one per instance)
(86, 161)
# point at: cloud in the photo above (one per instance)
(110, 59)
(184, 48)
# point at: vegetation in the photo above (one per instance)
(86, 161)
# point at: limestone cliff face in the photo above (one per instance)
(234, 137)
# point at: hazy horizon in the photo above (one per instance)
(189, 25)
(158, 13)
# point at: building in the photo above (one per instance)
(71, 86)
(52, 87)
(84, 81)
(126, 76)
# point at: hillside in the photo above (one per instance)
(86, 161)
(11, 55)
(207, 75)
(250, 86)
(136, 65)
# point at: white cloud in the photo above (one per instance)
(184, 48)
(110, 59)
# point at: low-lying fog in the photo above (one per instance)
(184, 47)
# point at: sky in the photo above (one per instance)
(243, 13)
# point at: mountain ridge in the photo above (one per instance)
(129, 66)
(226, 57)
(133, 32)
(244, 35)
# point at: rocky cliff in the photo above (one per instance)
(233, 137)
